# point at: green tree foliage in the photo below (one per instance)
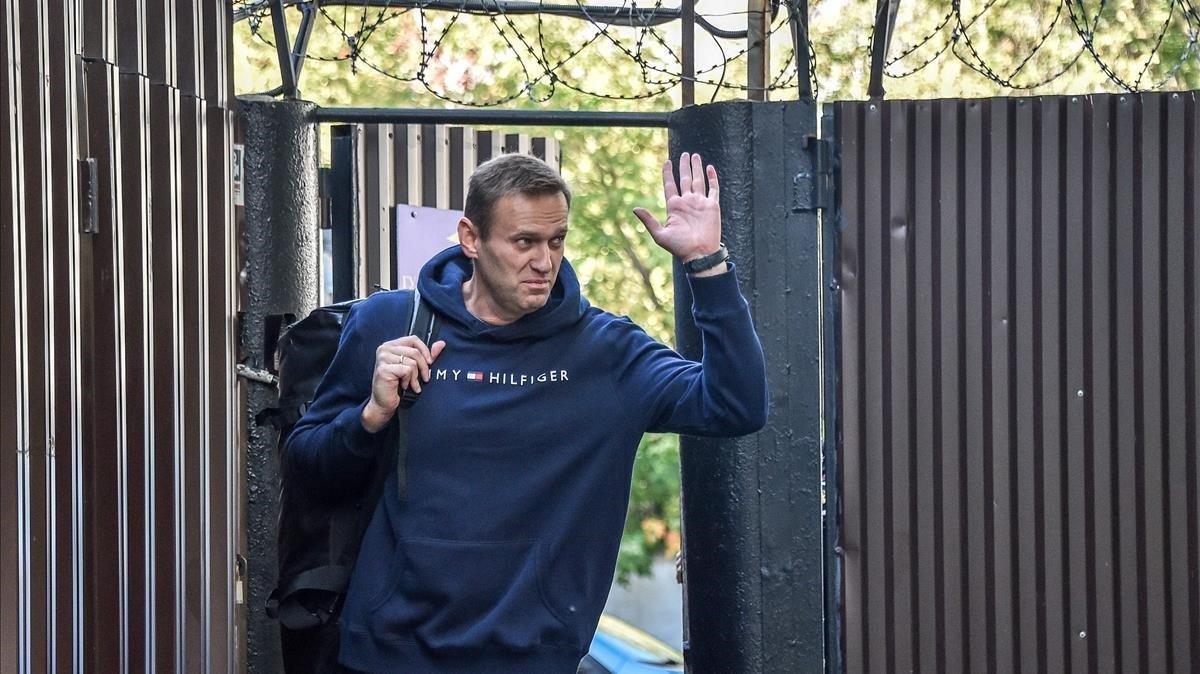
(358, 60)
(1024, 41)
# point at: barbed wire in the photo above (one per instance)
(963, 47)
(659, 75)
(636, 36)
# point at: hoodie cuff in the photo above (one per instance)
(357, 439)
(717, 295)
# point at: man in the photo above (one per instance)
(498, 552)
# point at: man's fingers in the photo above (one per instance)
(408, 341)
(431, 355)
(411, 352)
(698, 175)
(401, 354)
(670, 189)
(714, 189)
(403, 374)
(423, 365)
(648, 220)
(685, 173)
(394, 371)
(417, 344)
(409, 378)
(409, 346)
(416, 358)
(392, 352)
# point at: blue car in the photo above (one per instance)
(620, 648)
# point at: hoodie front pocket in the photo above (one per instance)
(466, 594)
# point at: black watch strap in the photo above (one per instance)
(707, 262)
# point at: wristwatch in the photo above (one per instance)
(707, 262)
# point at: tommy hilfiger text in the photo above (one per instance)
(510, 378)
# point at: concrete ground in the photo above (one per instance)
(653, 604)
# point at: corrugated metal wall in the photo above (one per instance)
(1018, 384)
(117, 403)
(422, 165)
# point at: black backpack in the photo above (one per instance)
(319, 540)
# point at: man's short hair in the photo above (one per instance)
(509, 174)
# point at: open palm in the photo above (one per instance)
(693, 225)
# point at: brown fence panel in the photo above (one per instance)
(1018, 406)
(118, 533)
(132, 227)
(105, 447)
(223, 524)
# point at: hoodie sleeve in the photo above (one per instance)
(723, 395)
(329, 449)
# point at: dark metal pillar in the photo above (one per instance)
(752, 505)
(279, 282)
(343, 210)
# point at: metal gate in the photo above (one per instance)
(119, 504)
(1017, 403)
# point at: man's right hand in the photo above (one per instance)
(399, 365)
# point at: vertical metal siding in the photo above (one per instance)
(223, 524)
(14, 589)
(192, 525)
(34, 242)
(66, 477)
(104, 427)
(133, 222)
(376, 143)
(118, 526)
(1018, 384)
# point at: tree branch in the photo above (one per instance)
(640, 266)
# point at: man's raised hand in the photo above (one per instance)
(693, 225)
(400, 364)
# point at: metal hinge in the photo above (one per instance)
(256, 374)
(241, 569)
(813, 189)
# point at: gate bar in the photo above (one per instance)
(494, 117)
(287, 68)
(613, 15)
(885, 21)
(798, 21)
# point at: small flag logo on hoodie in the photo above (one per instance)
(474, 376)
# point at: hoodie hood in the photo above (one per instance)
(440, 284)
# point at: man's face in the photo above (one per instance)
(517, 264)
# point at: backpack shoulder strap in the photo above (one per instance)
(347, 536)
(331, 580)
(424, 324)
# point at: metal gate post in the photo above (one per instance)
(279, 282)
(752, 505)
(343, 211)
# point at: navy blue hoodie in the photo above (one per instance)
(520, 453)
